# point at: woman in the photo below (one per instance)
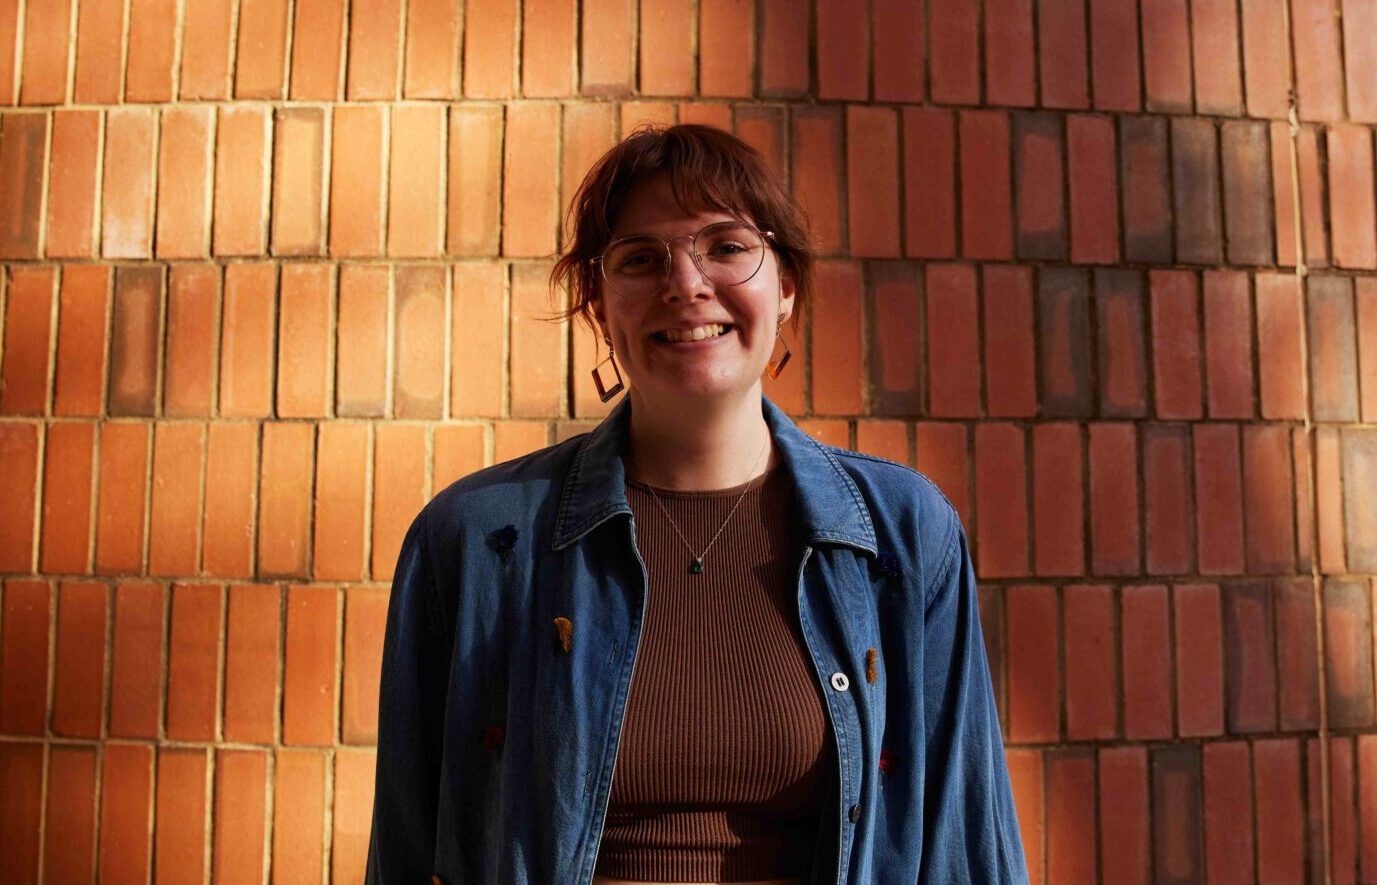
(693, 645)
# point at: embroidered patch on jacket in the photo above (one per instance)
(872, 665)
(502, 540)
(565, 628)
(886, 760)
(492, 738)
(888, 564)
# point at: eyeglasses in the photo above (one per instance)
(726, 252)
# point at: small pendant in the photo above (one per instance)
(696, 567)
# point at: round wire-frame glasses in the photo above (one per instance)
(629, 269)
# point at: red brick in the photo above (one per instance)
(1353, 219)
(1367, 802)
(1283, 193)
(990, 601)
(725, 42)
(125, 814)
(341, 502)
(1010, 371)
(1268, 499)
(1071, 815)
(303, 354)
(298, 824)
(783, 44)
(1228, 812)
(1250, 678)
(357, 181)
(1034, 699)
(512, 439)
(885, 439)
(530, 217)
(589, 129)
(24, 657)
(262, 49)
(459, 450)
(193, 309)
(1009, 38)
(1092, 708)
(1094, 200)
(1146, 662)
(72, 176)
(872, 182)
(1318, 60)
(241, 187)
(432, 43)
(718, 114)
(1199, 660)
(193, 662)
(124, 451)
(608, 66)
(308, 686)
(1332, 349)
(1279, 347)
(317, 39)
(298, 181)
(178, 462)
(1166, 476)
(180, 832)
(929, 152)
(28, 334)
(1360, 60)
(1178, 818)
(1343, 822)
(229, 509)
(475, 168)
(1175, 344)
(490, 41)
(184, 183)
(1001, 500)
(69, 844)
(1304, 499)
(361, 359)
(18, 475)
(68, 462)
(207, 33)
(1360, 510)
(1214, 50)
(1218, 498)
(136, 664)
(241, 788)
(762, 127)
(1279, 804)
(151, 51)
(1025, 777)
(843, 51)
(79, 668)
(639, 113)
(1114, 59)
(1329, 499)
(246, 340)
(1297, 658)
(1166, 56)
(1348, 642)
(941, 455)
(477, 319)
(953, 345)
(1143, 171)
(897, 36)
(954, 46)
(374, 48)
(399, 491)
(1119, 321)
(284, 513)
(1064, 337)
(420, 346)
(21, 809)
(1228, 345)
(1038, 152)
(352, 814)
(1266, 59)
(127, 194)
(1366, 319)
(1312, 182)
(1195, 191)
(1248, 232)
(986, 191)
(1062, 63)
(896, 349)
(99, 54)
(836, 358)
(1125, 830)
(134, 340)
(251, 663)
(23, 157)
(416, 214)
(536, 347)
(365, 620)
(1058, 500)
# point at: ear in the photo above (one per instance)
(595, 306)
(786, 295)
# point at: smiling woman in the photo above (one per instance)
(711, 649)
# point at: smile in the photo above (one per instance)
(695, 335)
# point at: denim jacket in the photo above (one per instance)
(512, 629)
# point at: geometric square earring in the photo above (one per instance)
(604, 391)
(778, 360)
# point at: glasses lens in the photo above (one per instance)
(635, 267)
(729, 254)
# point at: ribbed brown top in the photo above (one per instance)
(724, 759)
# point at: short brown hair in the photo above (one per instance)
(710, 167)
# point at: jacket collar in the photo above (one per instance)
(831, 509)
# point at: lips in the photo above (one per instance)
(714, 331)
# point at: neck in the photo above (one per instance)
(709, 447)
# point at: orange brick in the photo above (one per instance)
(24, 657)
(1329, 499)
(68, 463)
(136, 665)
(352, 813)
(1025, 777)
(28, 333)
(783, 49)
(72, 177)
(361, 361)
(206, 38)
(83, 307)
(836, 359)
(1001, 502)
(298, 183)
(1228, 345)
(817, 173)
(1280, 809)
(842, 51)
(953, 341)
(872, 184)
(127, 200)
(23, 157)
(298, 816)
(193, 309)
(419, 390)
(21, 808)
(940, 449)
(303, 352)
(478, 325)
(365, 621)
(548, 54)
(178, 460)
(726, 33)
(537, 347)
(120, 507)
(262, 45)
(79, 695)
(374, 35)
(284, 510)
(475, 164)
(885, 439)
(184, 183)
(126, 794)
(99, 55)
(530, 216)
(432, 50)
(18, 475)
(416, 214)
(459, 450)
(608, 63)
(316, 47)
(229, 509)
(357, 181)
(241, 146)
(252, 663)
(1268, 499)
(490, 49)
(589, 131)
(399, 491)
(69, 847)
(1034, 696)
(705, 113)
(135, 340)
(512, 439)
(341, 502)
(308, 686)
(1353, 214)
(246, 340)
(180, 831)
(193, 662)
(241, 792)
(152, 50)
(636, 114)
(763, 129)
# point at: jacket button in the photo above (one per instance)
(854, 812)
(840, 682)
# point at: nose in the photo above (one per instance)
(685, 280)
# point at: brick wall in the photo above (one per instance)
(271, 273)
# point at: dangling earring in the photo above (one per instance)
(778, 360)
(605, 392)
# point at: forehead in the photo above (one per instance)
(651, 208)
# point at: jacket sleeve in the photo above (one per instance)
(970, 829)
(411, 715)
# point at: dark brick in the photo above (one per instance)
(1360, 504)
(1247, 192)
(1064, 343)
(1195, 190)
(1122, 361)
(134, 340)
(1348, 652)
(1038, 174)
(1333, 348)
(1143, 172)
(1249, 663)
(1177, 816)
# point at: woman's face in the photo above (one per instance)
(730, 363)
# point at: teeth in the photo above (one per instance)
(695, 334)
